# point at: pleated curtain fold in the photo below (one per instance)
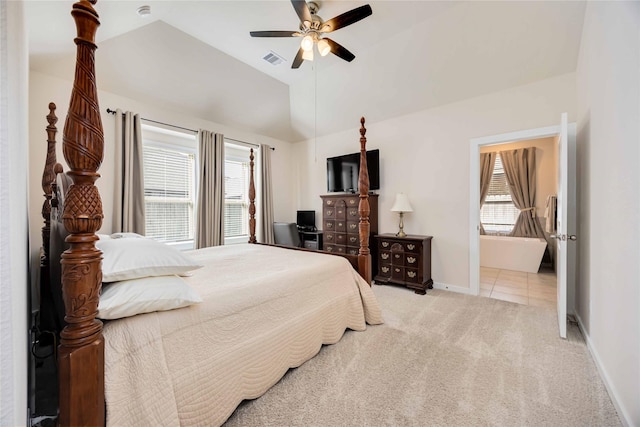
(520, 172)
(487, 162)
(129, 208)
(265, 214)
(210, 215)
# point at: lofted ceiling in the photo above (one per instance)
(198, 57)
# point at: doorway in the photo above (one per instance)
(515, 269)
(565, 134)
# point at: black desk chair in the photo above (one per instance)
(286, 233)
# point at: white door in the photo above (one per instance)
(562, 233)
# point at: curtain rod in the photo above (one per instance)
(110, 111)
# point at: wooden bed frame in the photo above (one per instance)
(81, 350)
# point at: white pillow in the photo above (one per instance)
(137, 296)
(133, 258)
(126, 235)
(103, 236)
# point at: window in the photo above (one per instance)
(236, 197)
(498, 214)
(169, 186)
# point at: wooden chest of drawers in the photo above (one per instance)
(405, 261)
(340, 219)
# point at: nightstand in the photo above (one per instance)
(404, 261)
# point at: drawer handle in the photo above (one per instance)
(329, 236)
(329, 225)
(329, 202)
(385, 269)
(384, 256)
(339, 211)
(411, 247)
(353, 239)
(353, 212)
(352, 202)
(353, 252)
(397, 256)
(385, 244)
(339, 224)
(329, 249)
(411, 259)
(329, 212)
(353, 226)
(411, 274)
(397, 270)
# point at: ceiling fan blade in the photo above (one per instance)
(346, 18)
(340, 51)
(274, 33)
(297, 61)
(302, 9)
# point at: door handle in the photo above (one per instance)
(563, 236)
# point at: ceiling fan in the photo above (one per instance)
(313, 30)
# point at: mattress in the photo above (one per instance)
(265, 310)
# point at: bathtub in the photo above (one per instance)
(512, 253)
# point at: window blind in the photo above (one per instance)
(236, 203)
(169, 193)
(498, 214)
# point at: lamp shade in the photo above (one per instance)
(401, 204)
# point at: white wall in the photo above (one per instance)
(14, 251)
(608, 155)
(426, 156)
(45, 89)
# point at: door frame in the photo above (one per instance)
(474, 191)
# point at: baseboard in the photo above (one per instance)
(624, 415)
(453, 288)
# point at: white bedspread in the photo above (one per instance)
(265, 310)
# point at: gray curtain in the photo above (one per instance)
(266, 197)
(129, 185)
(520, 172)
(487, 162)
(210, 217)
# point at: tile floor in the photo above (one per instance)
(538, 289)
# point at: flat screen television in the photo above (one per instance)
(306, 220)
(343, 172)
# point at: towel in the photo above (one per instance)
(550, 212)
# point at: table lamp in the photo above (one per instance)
(401, 205)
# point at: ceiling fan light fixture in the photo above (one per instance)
(307, 55)
(307, 43)
(323, 47)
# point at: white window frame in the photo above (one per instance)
(229, 146)
(188, 147)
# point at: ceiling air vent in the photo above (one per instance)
(273, 58)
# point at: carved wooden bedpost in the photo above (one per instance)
(48, 317)
(81, 352)
(364, 255)
(252, 201)
(47, 179)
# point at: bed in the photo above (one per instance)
(264, 309)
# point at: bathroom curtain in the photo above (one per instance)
(265, 234)
(520, 172)
(487, 162)
(210, 216)
(129, 209)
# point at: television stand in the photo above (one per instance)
(311, 239)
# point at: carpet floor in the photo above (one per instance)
(443, 359)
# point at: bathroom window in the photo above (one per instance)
(498, 214)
